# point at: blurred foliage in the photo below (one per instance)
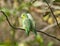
(57, 0)
(7, 11)
(26, 5)
(39, 39)
(2, 18)
(50, 44)
(49, 19)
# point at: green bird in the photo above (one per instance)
(28, 23)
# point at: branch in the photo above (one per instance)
(44, 29)
(52, 13)
(34, 1)
(10, 23)
(49, 26)
(48, 35)
(23, 29)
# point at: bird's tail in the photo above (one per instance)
(27, 33)
(35, 32)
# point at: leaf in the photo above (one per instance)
(7, 11)
(57, 0)
(50, 44)
(46, 17)
(22, 44)
(37, 3)
(2, 18)
(49, 1)
(57, 12)
(39, 39)
(51, 20)
(24, 6)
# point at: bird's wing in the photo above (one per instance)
(28, 26)
(33, 24)
(29, 16)
(31, 19)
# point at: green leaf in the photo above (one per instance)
(24, 5)
(50, 44)
(57, 0)
(2, 18)
(39, 39)
(7, 11)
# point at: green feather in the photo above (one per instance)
(28, 24)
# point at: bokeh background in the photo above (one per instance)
(41, 15)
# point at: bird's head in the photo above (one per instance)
(24, 15)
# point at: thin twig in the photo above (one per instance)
(52, 13)
(44, 29)
(49, 26)
(34, 1)
(9, 22)
(23, 29)
(48, 35)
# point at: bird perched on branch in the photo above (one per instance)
(28, 23)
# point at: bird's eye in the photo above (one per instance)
(23, 15)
